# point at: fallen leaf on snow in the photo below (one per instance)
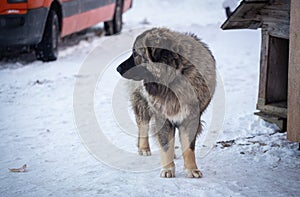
(22, 169)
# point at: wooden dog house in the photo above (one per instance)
(279, 82)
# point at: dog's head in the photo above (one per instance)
(155, 57)
(132, 68)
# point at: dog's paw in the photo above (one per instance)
(145, 152)
(193, 173)
(167, 172)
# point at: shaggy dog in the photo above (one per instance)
(177, 81)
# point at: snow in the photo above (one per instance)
(40, 125)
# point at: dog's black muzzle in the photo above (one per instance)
(126, 65)
(129, 70)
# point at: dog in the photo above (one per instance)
(177, 79)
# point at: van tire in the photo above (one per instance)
(47, 49)
(115, 26)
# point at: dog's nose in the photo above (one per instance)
(119, 69)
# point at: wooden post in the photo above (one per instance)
(293, 119)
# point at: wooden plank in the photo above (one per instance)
(275, 109)
(250, 1)
(279, 5)
(276, 16)
(263, 68)
(293, 124)
(279, 121)
(256, 1)
(280, 30)
(244, 16)
(252, 14)
(245, 24)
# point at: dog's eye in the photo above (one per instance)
(134, 53)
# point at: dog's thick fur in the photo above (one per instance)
(177, 74)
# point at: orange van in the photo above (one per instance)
(40, 23)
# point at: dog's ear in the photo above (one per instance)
(154, 54)
(163, 56)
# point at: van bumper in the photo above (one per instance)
(23, 29)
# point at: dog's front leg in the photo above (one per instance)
(142, 116)
(165, 135)
(143, 139)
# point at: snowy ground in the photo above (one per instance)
(37, 125)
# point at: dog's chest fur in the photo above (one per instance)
(168, 106)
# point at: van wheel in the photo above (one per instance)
(115, 26)
(47, 49)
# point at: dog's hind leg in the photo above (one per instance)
(142, 116)
(188, 133)
(165, 135)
